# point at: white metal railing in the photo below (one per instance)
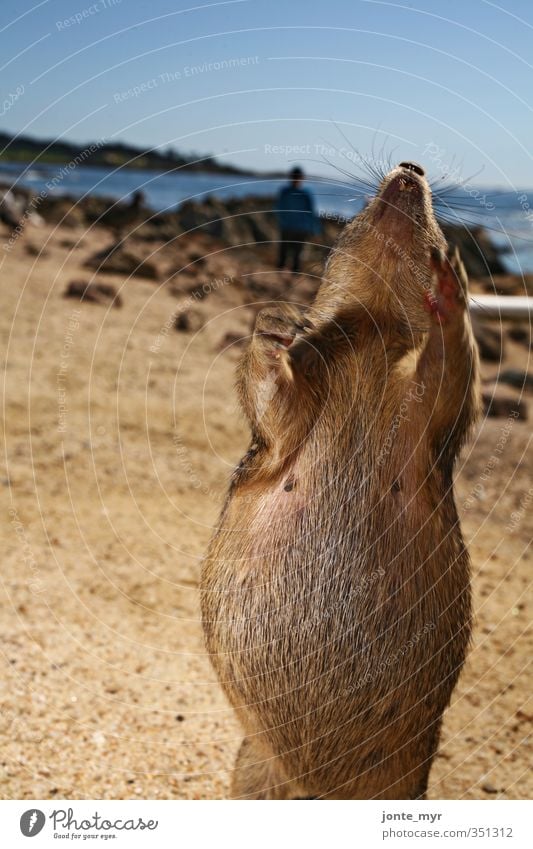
(505, 307)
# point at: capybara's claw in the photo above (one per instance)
(304, 326)
(278, 340)
(277, 327)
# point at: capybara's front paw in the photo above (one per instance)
(451, 290)
(277, 327)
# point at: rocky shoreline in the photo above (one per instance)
(236, 222)
(192, 248)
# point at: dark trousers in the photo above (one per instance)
(291, 244)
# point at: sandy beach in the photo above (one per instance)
(121, 433)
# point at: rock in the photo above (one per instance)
(122, 217)
(94, 206)
(490, 341)
(33, 250)
(197, 259)
(65, 210)
(127, 262)
(190, 321)
(13, 205)
(232, 341)
(528, 280)
(95, 293)
(498, 404)
(183, 281)
(158, 229)
(504, 284)
(509, 284)
(480, 256)
(516, 378)
(235, 222)
(521, 333)
(242, 221)
(487, 787)
(268, 286)
(187, 285)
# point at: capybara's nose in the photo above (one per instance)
(413, 166)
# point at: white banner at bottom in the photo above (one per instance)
(267, 825)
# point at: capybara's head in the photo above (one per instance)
(382, 260)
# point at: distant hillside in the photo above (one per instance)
(41, 151)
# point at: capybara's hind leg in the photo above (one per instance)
(420, 789)
(258, 775)
(418, 762)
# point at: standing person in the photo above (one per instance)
(296, 218)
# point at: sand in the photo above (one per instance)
(117, 457)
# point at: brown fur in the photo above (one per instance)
(335, 593)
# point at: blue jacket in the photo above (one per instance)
(295, 210)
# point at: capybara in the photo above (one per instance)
(336, 592)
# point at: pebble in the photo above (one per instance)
(488, 787)
(98, 738)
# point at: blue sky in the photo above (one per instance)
(263, 83)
